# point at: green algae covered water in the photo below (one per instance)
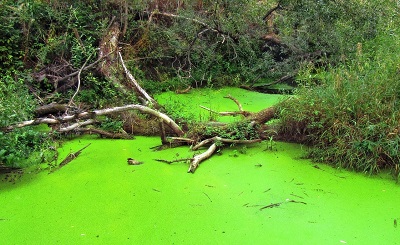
(245, 195)
(188, 105)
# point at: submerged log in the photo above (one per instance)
(69, 158)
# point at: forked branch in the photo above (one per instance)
(230, 113)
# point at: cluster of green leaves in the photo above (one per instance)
(352, 113)
(99, 93)
(36, 34)
(39, 32)
(16, 103)
(176, 110)
(112, 124)
(235, 131)
(10, 43)
(26, 146)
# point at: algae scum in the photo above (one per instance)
(246, 195)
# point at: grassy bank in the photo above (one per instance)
(351, 113)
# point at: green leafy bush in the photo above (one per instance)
(26, 146)
(352, 114)
(113, 125)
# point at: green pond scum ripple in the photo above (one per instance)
(244, 195)
(256, 196)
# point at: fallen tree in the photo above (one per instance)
(68, 118)
(91, 115)
(78, 121)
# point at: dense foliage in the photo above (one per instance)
(333, 27)
(351, 113)
(16, 103)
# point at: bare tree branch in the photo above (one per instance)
(79, 80)
(84, 69)
(105, 133)
(76, 125)
(235, 100)
(36, 121)
(230, 113)
(92, 114)
(226, 113)
(172, 161)
(140, 90)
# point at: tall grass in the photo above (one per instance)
(351, 113)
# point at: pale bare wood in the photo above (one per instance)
(230, 113)
(76, 125)
(138, 88)
(92, 114)
(195, 162)
(236, 101)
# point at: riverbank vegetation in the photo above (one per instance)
(351, 112)
(342, 57)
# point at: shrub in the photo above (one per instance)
(26, 146)
(352, 114)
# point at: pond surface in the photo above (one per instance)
(245, 195)
(188, 105)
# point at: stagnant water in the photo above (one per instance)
(245, 195)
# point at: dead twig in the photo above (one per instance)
(79, 80)
(273, 205)
(173, 161)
